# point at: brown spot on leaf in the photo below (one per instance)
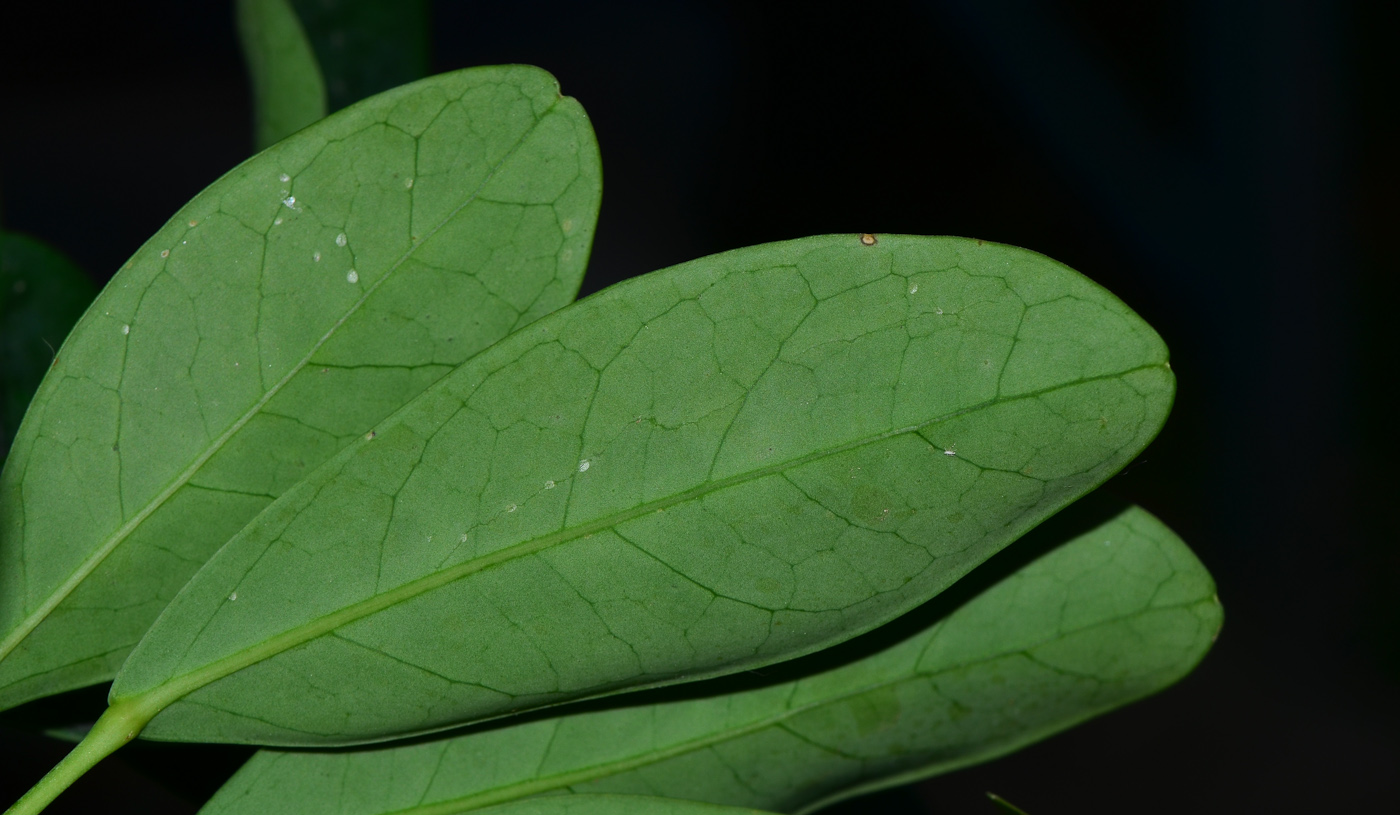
(868, 239)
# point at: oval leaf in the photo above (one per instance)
(729, 463)
(289, 92)
(1112, 614)
(42, 293)
(286, 309)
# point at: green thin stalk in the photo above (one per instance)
(118, 725)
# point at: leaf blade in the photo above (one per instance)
(223, 362)
(917, 707)
(512, 485)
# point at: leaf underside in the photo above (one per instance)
(729, 463)
(1116, 612)
(283, 312)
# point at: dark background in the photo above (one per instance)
(1227, 167)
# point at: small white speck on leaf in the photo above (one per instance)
(512, 508)
(462, 539)
(290, 201)
(549, 485)
(165, 253)
(369, 436)
(584, 465)
(233, 596)
(868, 239)
(277, 222)
(126, 329)
(408, 183)
(950, 452)
(352, 276)
(913, 288)
(194, 223)
(316, 256)
(284, 178)
(340, 239)
(938, 311)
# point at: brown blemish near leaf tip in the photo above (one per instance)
(979, 243)
(868, 239)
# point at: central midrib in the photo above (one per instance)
(89, 565)
(176, 688)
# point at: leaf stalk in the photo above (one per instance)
(118, 725)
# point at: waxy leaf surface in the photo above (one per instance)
(289, 91)
(42, 294)
(286, 309)
(1117, 612)
(729, 463)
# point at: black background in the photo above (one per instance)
(1228, 168)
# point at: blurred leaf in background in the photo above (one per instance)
(365, 47)
(42, 293)
(289, 91)
(307, 58)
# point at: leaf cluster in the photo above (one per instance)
(333, 461)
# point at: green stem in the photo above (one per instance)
(117, 726)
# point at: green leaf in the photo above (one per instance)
(1120, 610)
(289, 92)
(280, 314)
(365, 47)
(729, 463)
(42, 293)
(614, 805)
